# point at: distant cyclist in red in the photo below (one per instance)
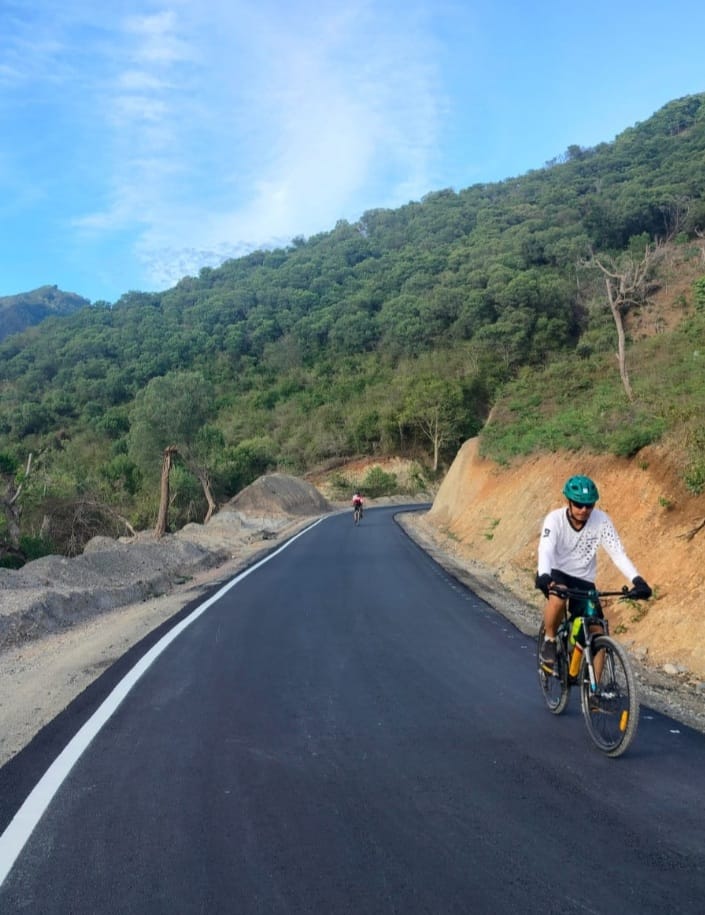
(357, 504)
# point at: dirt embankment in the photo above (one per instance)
(487, 519)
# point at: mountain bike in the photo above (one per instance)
(589, 658)
(357, 514)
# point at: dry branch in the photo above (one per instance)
(693, 531)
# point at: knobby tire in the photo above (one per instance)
(555, 687)
(611, 722)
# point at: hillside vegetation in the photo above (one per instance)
(399, 334)
(18, 312)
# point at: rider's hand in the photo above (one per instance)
(640, 591)
(542, 583)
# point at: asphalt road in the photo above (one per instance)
(346, 729)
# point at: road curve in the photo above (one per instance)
(345, 728)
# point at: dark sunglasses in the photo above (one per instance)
(589, 505)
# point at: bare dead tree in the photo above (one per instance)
(205, 482)
(628, 283)
(163, 516)
(100, 509)
(688, 535)
(675, 214)
(70, 524)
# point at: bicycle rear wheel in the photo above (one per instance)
(612, 711)
(554, 687)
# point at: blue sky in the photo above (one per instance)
(141, 141)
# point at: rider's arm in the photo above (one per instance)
(547, 545)
(613, 545)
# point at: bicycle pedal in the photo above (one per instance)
(601, 702)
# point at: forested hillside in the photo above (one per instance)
(395, 335)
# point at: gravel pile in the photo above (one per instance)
(54, 593)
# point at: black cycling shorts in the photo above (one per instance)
(576, 605)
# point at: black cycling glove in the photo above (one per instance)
(542, 582)
(641, 591)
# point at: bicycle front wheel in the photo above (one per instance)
(611, 711)
(554, 686)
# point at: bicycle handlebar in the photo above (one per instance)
(625, 593)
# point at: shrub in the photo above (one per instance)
(341, 486)
(379, 483)
(36, 547)
(694, 477)
(630, 439)
(699, 293)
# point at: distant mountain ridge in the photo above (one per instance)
(18, 312)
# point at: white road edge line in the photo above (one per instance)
(21, 827)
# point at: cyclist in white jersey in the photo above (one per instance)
(567, 555)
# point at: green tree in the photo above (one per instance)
(435, 407)
(248, 460)
(171, 417)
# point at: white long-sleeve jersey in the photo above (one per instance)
(575, 552)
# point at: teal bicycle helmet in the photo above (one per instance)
(581, 490)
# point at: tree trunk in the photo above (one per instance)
(205, 483)
(621, 348)
(163, 517)
(431, 428)
(11, 511)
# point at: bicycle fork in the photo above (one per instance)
(589, 658)
(588, 653)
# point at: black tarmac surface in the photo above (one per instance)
(349, 730)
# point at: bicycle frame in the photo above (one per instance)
(587, 625)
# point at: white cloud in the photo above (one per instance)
(263, 125)
(219, 127)
(158, 39)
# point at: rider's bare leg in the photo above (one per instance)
(553, 613)
(598, 660)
